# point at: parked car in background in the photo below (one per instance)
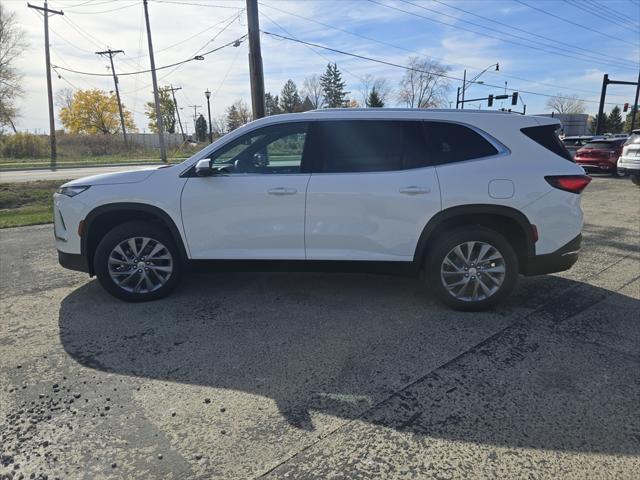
(629, 161)
(470, 198)
(600, 155)
(574, 143)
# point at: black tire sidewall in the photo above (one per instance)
(445, 242)
(128, 230)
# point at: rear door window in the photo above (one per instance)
(452, 142)
(345, 146)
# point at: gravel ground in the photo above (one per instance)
(274, 375)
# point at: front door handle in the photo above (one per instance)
(414, 190)
(282, 191)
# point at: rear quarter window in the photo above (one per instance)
(452, 142)
(547, 137)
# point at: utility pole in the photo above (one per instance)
(634, 108)
(195, 115)
(603, 94)
(173, 91)
(52, 123)
(163, 151)
(111, 53)
(464, 87)
(255, 60)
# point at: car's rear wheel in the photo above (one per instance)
(635, 179)
(138, 261)
(471, 268)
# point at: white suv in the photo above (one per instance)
(470, 198)
(629, 161)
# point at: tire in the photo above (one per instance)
(635, 179)
(497, 271)
(121, 271)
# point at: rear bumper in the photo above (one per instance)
(629, 171)
(73, 261)
(558, 261)
(597, 165)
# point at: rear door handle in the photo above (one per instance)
(282, 191)
(413, 190)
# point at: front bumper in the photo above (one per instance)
(558, 261)
(73, 261)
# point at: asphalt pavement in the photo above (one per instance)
(292, 375)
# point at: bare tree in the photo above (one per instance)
(423, 85)
(566, 103)
(12, 45)
(379, 84)
(64, 98)
(312, 88)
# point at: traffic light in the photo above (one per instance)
(514, 98)
(490, 101)
(625, 107)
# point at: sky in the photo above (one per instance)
(543, 47)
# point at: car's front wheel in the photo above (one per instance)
(471, 268)
(137, 261)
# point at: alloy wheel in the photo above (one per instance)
(140, 264)
(473, 271)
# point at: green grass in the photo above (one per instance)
(28, 203)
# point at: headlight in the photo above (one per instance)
(73, 190)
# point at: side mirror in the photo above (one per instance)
(203, 168)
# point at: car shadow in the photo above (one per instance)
(341, 344)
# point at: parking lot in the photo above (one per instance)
(292, 375)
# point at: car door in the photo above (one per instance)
(372, 190)
(254, 207)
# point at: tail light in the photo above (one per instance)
(569, 183)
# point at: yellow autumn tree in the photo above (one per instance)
(94, 112)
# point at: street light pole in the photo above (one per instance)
(473, 80)
(207, 94)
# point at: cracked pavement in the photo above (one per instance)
(292, 375)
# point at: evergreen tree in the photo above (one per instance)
(627, 120)
(374, 100)
(306, 105)
(201, 128)
(333, 87)
(271, 104)
(237, 115)
(289, 97)
(594, 123)
(614, 122)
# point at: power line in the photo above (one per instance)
(601, 14)
(107, 11)
(590, 29)
(317, 53)
(232, 43)
(450, 77)
(193, 4)
(612, 13)
(234, 16)
(365, 37)
(459, 27)
(488, 19)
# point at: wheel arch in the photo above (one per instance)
(105, 217)
(508, 221)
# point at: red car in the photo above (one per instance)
(600, 155)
